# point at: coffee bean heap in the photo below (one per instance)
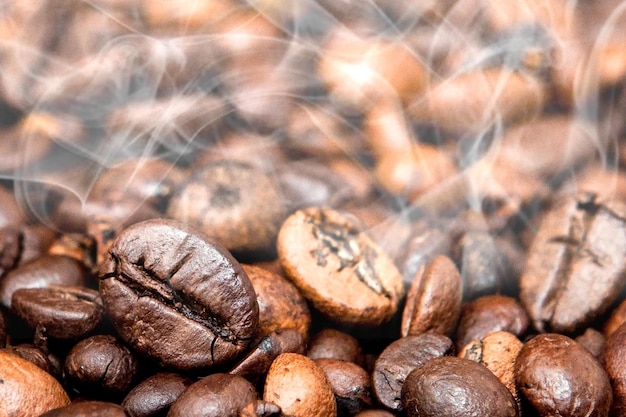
(254, 208)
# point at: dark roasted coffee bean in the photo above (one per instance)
(257, 362)
(175, 295)
(338, 268)
(281, 306)
(41, 272)
(299, 387)
(576, 264)
(100, 364)
(400, 358)
(62, 312)
(153, 396)
(487, 314)
(350, 383)
(216, 395)
(33, 355)
(434, 299)
(26, 390)
(88, 409)
(613, 357)
(11, 240)
(560, 377)
(223, 199)
(335, 344)
(592, 340)
(451, 386)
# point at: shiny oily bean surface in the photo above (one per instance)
(154, 395)
(341, 271)
(451, 386)
(559, 377)
(177, 296)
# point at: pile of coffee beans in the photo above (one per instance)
(257, 208)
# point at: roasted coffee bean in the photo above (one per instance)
(401, 357)
(281, 306)
(592, 340)
(153, 396)
(63, 312)
(257, 362)
(33, 355)
(579, 246)
(78, 246)
(434, 299)
(490, 313)
(11, 240)
(558, 376)
(350, 383)
(299, 387)
(175, 295)
(42, 272)
(451, 386)
(88, 409)
(216, 395)
(613, 358)
(26, 390)
(615, 320)
(341, 271)
(100, 364)
(222, 200)
(335, 344)
(498, 352)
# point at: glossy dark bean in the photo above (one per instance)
(350, 383)
(451, 386)
(401, 357)
(153, 396)
(177, 296)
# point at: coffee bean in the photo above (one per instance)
(26, 390)
(451, 386)
(335, 344)
(216, 395)
(88, 409)
(299, 387)
(399, 359)
(615, 320)
(63, 312)
(78, 246)
(350, 383)
(33, 355)
(490, 313)
(341, 271)
(575, 264)
(11, 240)
(41, 272)
(177, 296)
(260, 409)
(593, 341)
(100, 364)
(558, 376)
(434, 299)
(257, 362)
(153, 396)
(613, 358)
(222, 200)
(281, 306)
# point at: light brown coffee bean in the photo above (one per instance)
(26, 390)
(341, 271)
(299, 387)
(434, 299)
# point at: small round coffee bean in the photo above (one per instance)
(335, 344)
(223, 199)
(281, 306)
(41, 272)
(63, 312)
(487, 314)
(153, 396)
(100, 364)
(26, 390)
(216, 395)
(339, 269)
(434, 299)
(451, 386)
(175, 295)
(350, 383)
(88, 409)
(615, 366)
(560, 377)
(401, 357)
(299, 387)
